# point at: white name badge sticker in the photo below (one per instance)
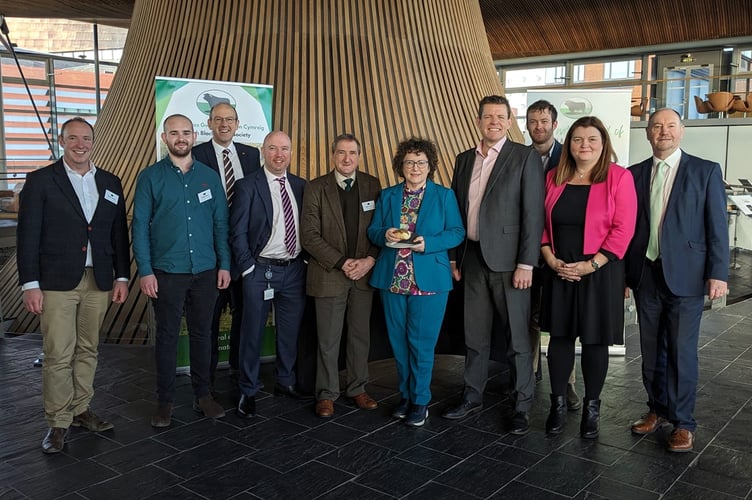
(368, 205)
(111, 197)
(204, 196)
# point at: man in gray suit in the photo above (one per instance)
(499, 187)
(337, 210)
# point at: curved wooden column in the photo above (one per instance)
(381, 69)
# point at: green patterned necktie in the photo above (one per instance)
(656, 209)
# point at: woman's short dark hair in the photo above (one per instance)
(416, 145)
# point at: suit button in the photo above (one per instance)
(89, 228)
(83, 249)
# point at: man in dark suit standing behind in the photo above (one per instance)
(337, 210)
(541, 123)
(499, 187)
(232, 161)
(72, 242)
(265, 240)
(679, 252)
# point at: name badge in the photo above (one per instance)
(368, 205)
(111, 197)
(204, 196)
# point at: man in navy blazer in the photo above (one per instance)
(72, 241)
(232, 161)
(673, 261)
(266, 248)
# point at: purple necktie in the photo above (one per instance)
(290, 237)
(229, 175)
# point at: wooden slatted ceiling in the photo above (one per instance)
(383, 70)
(543, 27)
(514, 28)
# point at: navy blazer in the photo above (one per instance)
(553, 160)
(252, 215)
(248, 155)
(694, 235)
(440, 224)
(52, 233)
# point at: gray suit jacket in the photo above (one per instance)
(511, 211)
(322, 232)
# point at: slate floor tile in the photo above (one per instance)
(308, 482)
(460, 441)
(291, 453)
(351, 490)
(519, 490)
(396, 477)
(480, 475)
(721, 469)
(64, 480)
(436, 491)
(358, 457)
(427, 457)
(138, 483)
(615, 490)
(562, 473)
(193, 462)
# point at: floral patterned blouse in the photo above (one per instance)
(403, 281)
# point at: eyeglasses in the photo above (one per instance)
(219, 120)
(419, 164)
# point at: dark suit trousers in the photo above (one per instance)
(194, 294)
(232, 296)
(669, 334)
(486, 291)
(330, 317)
(289, 301)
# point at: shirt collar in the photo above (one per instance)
(495, 148)
(672, 160)
(270, 177)
(70, 171)
(218, 148)
(341, 178)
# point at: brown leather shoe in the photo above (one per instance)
(163, 417)
(54, 441)
(681, 441)
(365, 402)
(90, 421)
(208, 407)
(324, 408)
(648, 424)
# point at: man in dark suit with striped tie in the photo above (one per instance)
(232, 161)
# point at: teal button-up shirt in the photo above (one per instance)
(180, 221)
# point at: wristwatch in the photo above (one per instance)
(595, 265)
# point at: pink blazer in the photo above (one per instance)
(610, 215)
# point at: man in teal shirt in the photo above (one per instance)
(180, 242)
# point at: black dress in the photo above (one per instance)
(593, 308)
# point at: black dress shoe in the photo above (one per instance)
(247, 406)
(462, 410)
(54, 441)
(557, 415)
(291, 392)
(520, 423)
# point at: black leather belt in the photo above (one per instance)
(276, 262)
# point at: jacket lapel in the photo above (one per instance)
(262, 187)
(427, 206)
(63, 182)
(498, 168)
(331, 198)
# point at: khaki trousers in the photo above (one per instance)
(70, 323)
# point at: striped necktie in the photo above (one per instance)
(290, 238)
(229, 175)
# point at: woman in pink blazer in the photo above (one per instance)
(591, 209)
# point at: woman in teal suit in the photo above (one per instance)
(412, 270)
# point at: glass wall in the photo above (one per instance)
(61, 88)
(682, 81)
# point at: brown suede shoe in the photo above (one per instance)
(681, 441)
(324, 408)
(54, 441)
(648, 424)
(163, 417)
(365, 402)
(89, 420)
(208, 407)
